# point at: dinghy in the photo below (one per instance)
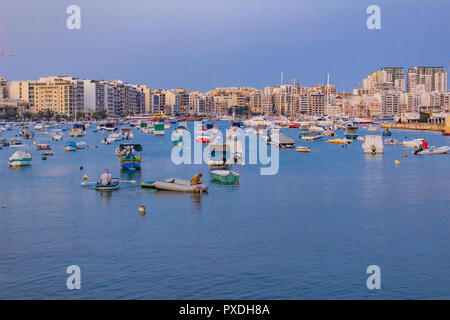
(414, 144)
(178, 185)
(432, 150)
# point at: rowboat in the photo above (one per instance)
(225, 176)
(47, 153)
(178, 185)
(340, 141)
(414, 144)
(303, 149)
(70, 146)
(115, 184)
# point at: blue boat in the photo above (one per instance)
(128, 160)
(387, 133)
(70, 146)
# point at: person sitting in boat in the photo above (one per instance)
(105, 178)
(425, 144)
(196, 179)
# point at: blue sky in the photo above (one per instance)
(203, 44)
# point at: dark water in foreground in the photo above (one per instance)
(308, 232)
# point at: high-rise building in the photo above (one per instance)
(427, 79)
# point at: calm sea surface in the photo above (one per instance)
(308, 232)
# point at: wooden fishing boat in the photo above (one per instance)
(70, 146)
(225, 176)
(20, 158)
(128, 159)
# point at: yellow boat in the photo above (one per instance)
(340, 141)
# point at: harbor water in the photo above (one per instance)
(308, 232)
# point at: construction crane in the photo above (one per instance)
(6, 54)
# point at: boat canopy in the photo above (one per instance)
(127, 146)
(79, 126)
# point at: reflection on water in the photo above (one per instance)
(106, 196)
(130, 174)
(309, 231)
(196, 202)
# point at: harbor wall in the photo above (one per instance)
(417, 126)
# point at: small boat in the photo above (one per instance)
(303, 132)
(329, 133)
(179, 185)
(387, 133)
(113, 137)
(313, 136)
(351, 132)
(303, 149)
(81, 145)
(47, 153)
(432, 150)
(15, 142)
(20, 158)
(413, 144)
(43, 146)
(128, 158)
(283, 141)
(203, 139)
(115, 184)
(126, 133)
(225, 176)
(26, 134)
(444, 133)
(373, 145)
(158, 129)
(391, 141)
(70, 146)
(57, 136)
(372, 128)
(340, 141)
(78, 130)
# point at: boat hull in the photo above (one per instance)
(225, 176)
(113, 186)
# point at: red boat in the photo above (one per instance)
(446, 133)
(203, 139)
(294, 126)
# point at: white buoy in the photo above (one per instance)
(142, 210)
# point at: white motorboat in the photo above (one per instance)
(373, 145)
(57, 136)
(81, 145)
(113, 137)
(126, 133)
(413, 144)
(313, 136)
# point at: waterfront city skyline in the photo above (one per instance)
(204, 45)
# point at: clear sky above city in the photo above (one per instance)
(203, 44)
